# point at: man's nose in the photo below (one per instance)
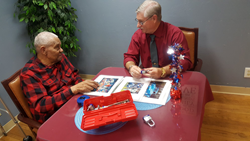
(138, 25)
(61, 50)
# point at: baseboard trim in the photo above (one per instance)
(230, 90)
(87, 76)
(8, 126)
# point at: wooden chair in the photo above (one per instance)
(191, 35)
(13, 88)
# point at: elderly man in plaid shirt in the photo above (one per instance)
(48, 79)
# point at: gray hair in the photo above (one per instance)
(149, 8)
(43, 39)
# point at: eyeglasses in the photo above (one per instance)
(141, 23)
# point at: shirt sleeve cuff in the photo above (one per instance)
(70, 92)
(128, 59)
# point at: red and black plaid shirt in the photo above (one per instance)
(47, 88)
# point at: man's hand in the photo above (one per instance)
(84, 86)
(157, 72)
(153, 72)
(135, 71)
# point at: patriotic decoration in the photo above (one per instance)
(176, 55)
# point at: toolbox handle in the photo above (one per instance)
(118, 114)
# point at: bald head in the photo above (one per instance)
(44, 39)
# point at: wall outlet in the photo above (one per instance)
(247, 73)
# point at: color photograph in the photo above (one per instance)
(106, 84)
(133, 87)
(154, 89)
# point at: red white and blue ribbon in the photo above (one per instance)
(176, 52)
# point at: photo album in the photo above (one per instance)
(155, 91)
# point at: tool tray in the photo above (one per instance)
(108, 115)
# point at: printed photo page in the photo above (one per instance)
(107, 85)
(146, 90)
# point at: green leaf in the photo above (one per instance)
(34, 1)
(62, 15)
(71, 45)
(21, 19)
(40, 30)
(58, 11)
(54, 5)
(26, 20)
(50, 14)
(49, 29)
(45, 6)
(60, 29)
(27, 12)
(67, 23)
(34, 52)
(40, 17)
(51, 5)
(53, 29)
(69, 3)
(64, 38)
(33, 18)
(25, 8)
(40, 4)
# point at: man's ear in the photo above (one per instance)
(155, 18)
(43, 50)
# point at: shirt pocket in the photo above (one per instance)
(67, 79)
(50, 84)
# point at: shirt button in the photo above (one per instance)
(49, 81)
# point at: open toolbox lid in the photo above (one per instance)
(118, 107)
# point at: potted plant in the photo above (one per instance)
(55, 16)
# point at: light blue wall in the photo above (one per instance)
(224, 34)
(108, 25)
(13, 54)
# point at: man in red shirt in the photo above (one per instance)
(149, 23)
(48, 79)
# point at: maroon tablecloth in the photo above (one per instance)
(177, 120)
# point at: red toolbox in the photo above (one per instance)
(118, 107)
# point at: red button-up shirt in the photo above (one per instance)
(47, 88)
(165, 35)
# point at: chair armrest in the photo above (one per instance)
(198, 65)
(28, 121)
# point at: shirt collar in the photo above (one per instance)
(42, 66)
(158, 32)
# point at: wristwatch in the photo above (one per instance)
(163, 72)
